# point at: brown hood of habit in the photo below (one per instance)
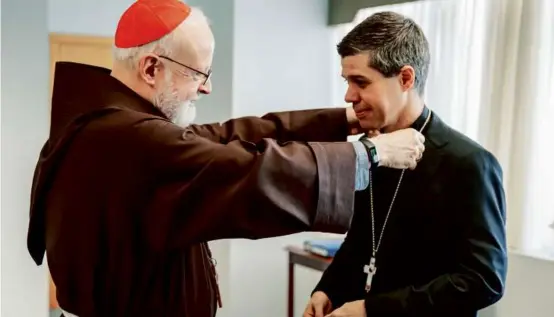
(74, 103)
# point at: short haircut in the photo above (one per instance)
(392, 41)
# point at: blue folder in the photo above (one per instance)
(323, 247)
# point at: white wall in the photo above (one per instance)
(283, 54)
(529, 289)
(24, 128)
(98, 17)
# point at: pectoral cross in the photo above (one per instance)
(370, 270)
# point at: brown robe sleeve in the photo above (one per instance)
(323, 125)
(203, 190)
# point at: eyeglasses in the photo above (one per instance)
(206, 75)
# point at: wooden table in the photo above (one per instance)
(297, 256)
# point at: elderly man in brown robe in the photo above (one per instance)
(127, 193)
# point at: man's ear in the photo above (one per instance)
(148, 67)
(407, 77)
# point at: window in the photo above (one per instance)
(539, 212)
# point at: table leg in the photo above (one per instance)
(291, 289)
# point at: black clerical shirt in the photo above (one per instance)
(443, 251)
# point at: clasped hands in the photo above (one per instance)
(320, 306)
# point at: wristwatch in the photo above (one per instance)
(371, 151)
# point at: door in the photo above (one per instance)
(91, 50)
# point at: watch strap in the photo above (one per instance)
(371, 151)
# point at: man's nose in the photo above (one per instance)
(352, 95)
(206, 88)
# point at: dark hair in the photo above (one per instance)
(392, 41)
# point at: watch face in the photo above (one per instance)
(374, 156)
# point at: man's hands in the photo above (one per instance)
(352, 309)
(318, 306)
(399, 149)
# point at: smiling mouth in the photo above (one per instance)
(362, 113)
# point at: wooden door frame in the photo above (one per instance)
(55, 40)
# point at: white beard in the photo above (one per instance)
(179, 112)
(186, 114)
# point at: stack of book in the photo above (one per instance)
(323, 247)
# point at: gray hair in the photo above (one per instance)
(164, 46)
(392, 41)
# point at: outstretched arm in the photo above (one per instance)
(204, 190)
(318, 125)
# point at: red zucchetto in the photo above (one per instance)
(148, 20)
